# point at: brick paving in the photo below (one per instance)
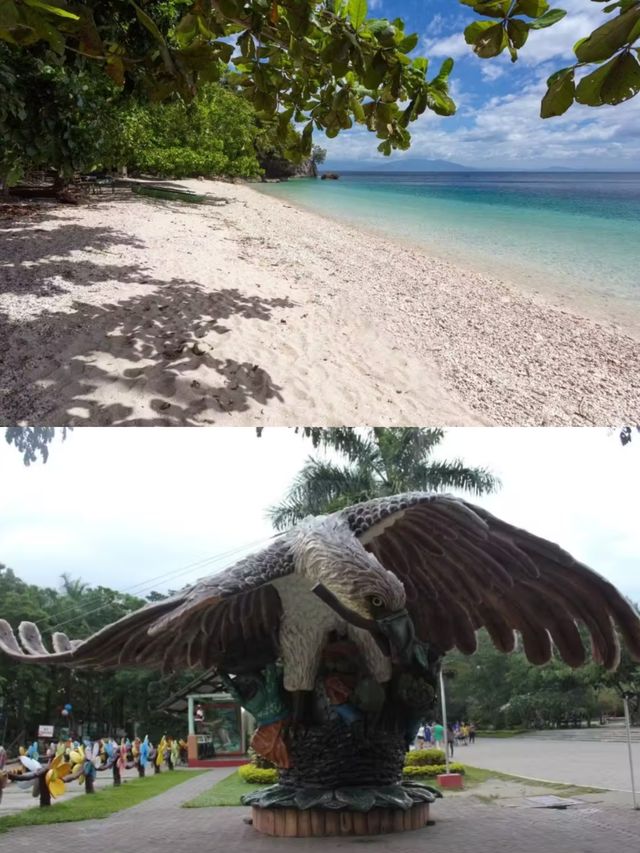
(464, 822)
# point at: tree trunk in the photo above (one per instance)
(140, 770)
(88, 785)
(117, 779)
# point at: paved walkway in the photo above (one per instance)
(463, 822)
(593, 763)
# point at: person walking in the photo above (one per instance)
(451, 739)
(472, 733)
(438, 735)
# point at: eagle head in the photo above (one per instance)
(356, 586)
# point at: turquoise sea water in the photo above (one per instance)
(575, 236)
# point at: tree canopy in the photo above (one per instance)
(103, 702)
(321, 63)
(373, 462)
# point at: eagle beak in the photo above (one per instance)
(394, 635)
(399, 634)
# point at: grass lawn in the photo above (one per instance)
(103, 803)
(228, 791)
(476, 775)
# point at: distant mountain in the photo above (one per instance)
(405, 164)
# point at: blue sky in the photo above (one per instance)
(498, 124)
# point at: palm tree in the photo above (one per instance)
(375, 461)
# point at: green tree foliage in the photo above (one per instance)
(72, 118)
(214, 134)
(324, 64)
(102, 701)
(606, 70)
(506, 691)
(373, 462)
(318, 155)
(52, 115)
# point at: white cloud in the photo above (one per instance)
(507, 132)
(452, 45)
(491, 71)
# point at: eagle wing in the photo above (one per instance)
(464, 569)
(223, 620)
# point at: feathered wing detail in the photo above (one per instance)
(224, 620)
(463, 568)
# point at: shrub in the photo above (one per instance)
(212, 135)
(424, 756)
(430, 771)
(259, 760)
(257, 775)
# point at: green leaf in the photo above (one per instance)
(473, 32)
(408, 43)
(493, 8)
(357, 10)
(549, 19)
(531, 8)
(148, 22)
(560, 93)
(616, 81)
(492, 42)
(55, 10)
(607, 39)
(518, 32)
(440, 103)
(440, 82)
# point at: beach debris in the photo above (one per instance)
(168, 194)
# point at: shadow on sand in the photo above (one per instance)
(148, 349)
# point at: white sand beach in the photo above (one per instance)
(134, 311)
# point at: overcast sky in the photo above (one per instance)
(133, 508)
(497, 124)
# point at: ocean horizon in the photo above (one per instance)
(571, 236)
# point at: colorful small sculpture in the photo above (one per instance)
(85, 761)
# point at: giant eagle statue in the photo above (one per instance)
(388, 586)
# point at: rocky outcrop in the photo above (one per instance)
(279, 168)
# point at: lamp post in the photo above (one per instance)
(627, 721)
(443, 701)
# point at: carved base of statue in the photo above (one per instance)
(340, 748)
(321, 823)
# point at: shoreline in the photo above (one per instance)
(255, 311)
(563, 295)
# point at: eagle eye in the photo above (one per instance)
(376, 601)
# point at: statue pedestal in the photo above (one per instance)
(320, 823)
